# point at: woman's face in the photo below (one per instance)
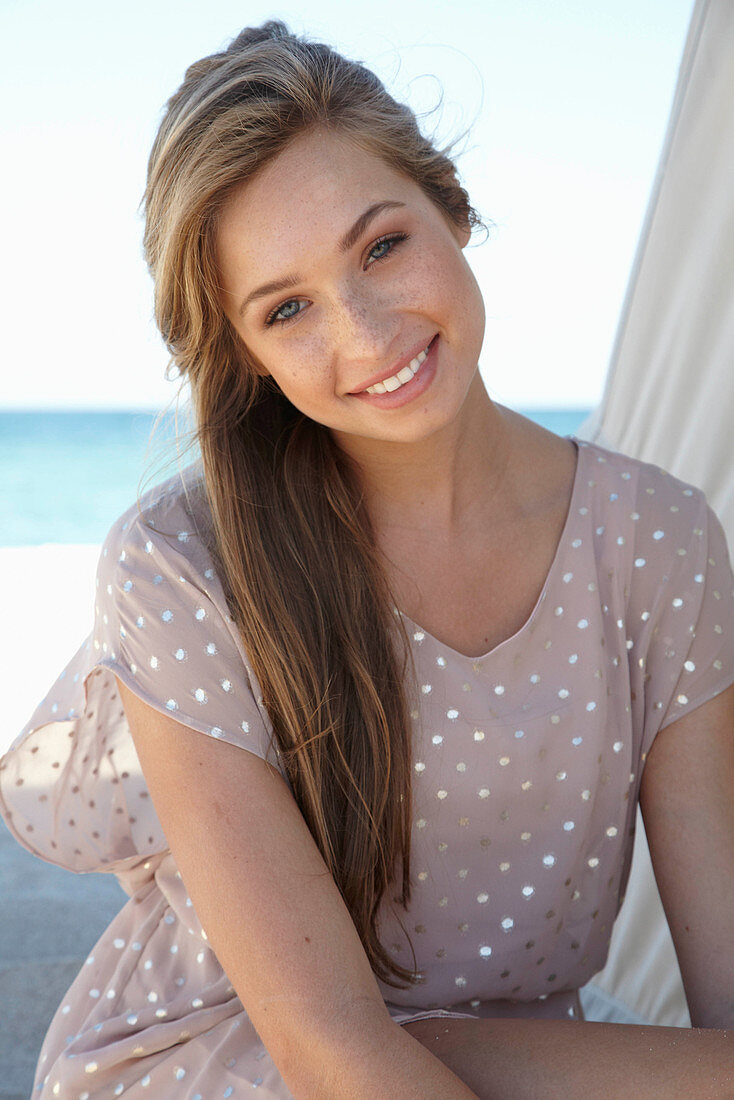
(339, 273)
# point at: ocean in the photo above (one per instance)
(66, 476)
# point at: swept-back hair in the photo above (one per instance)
(291, 535)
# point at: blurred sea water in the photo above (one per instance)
(66, 476)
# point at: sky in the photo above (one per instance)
(567, 103)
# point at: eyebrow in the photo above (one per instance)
(348, 241)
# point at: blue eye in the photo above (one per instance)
(283, 313)
(385, 245)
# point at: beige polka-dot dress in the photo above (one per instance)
(526, 773)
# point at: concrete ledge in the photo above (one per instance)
(49, 921)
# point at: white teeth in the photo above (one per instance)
(397, 380)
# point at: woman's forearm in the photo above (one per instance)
(366, 1056)
(518, 1059)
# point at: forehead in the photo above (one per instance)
(314, 189)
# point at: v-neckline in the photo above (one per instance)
(570, 515)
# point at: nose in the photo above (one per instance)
(365, 325)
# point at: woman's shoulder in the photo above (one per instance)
(628, 478)
(171, 520)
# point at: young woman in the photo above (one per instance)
(374, 689)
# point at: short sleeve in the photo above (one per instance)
(71, 786)
(690, 657)
(164, 628)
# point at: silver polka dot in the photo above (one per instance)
(167, 615)
(200, 695)
(437, 739)
(549, 859)
(420, 767)
(568, 825)
(612, 830)
(485, 951)
(528, 891)
(453, 714)
(507, 924)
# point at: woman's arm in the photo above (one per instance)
(276, 921)
(568, 1060)
(687, 802)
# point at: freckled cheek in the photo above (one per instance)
(441, 285)
(306, 372)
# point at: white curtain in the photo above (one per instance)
(669, 399)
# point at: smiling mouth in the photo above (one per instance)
(406, 374)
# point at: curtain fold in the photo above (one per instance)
(669, 399)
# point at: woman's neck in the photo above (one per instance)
(443, 483)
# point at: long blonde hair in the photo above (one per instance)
(291, 535)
